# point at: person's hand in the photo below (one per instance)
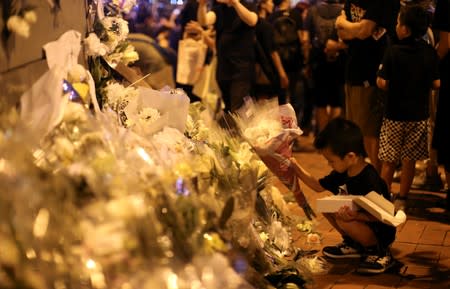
(284, 80)
(193, 27)
(346, 214)
(340, 20)
(202, 2)
(332, 46)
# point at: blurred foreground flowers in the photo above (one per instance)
(95, 204)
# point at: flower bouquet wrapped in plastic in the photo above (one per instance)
(271, 130)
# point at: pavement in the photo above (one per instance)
(421, 248)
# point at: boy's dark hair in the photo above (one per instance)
(416, 18)
(341, 136)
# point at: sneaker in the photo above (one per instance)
(376, 264)
(341, 251)
(427, 183)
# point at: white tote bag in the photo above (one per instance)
(190, 60)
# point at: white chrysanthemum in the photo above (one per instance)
(116, 94)
(129, 55)
(94, 47)
(118, 27)
(30, 16)
(148, 115)
(19, 26)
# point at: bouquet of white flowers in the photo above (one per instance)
(271, 130)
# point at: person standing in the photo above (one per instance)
(408, 72)
(441, 138)
(327, 59)
(362, 26)
(290, 38)
(235, 34)
(274, 85)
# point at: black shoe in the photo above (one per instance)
(427, 183)
(376, 263)
(342, 251)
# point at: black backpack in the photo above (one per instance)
(287, 41)
(323, 21)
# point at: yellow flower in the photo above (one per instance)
(82, 89)
(18, 25)
(30, 17)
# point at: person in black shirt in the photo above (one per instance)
(235, 34)
(408, 72)
(363, 26)
(269, 86)
(441, 136)
(293, 62)
(341, 143)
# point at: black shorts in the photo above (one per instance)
(384, 233)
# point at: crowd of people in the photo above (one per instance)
(369, 78)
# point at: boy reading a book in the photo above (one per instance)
(341, 143)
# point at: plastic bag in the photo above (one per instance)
(190, 60)
(275, 149)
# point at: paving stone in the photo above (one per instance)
(434, 234)
(410, 232)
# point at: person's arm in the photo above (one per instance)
(201, 12)
(436, 84)
(284, 80)
(249, 17)
(347, 215)
(306, 177)
(444, 44)
(354, 30)
(303, 36)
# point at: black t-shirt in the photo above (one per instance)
(264, 34)
(365, 55)
(234, 42)
(366, 181)
(410, 66)
(441, 22)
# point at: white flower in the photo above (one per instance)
(117, 94)
(125, 5)
(129, 55)
(74, 112)
(118, 28)
(30, 16)
(265, 130)
(64, 148)
(313, 238)
(149, 115)
(305, 226)
(18, 25)
(315, 264)
(94, 47)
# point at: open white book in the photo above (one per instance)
(374, 203)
